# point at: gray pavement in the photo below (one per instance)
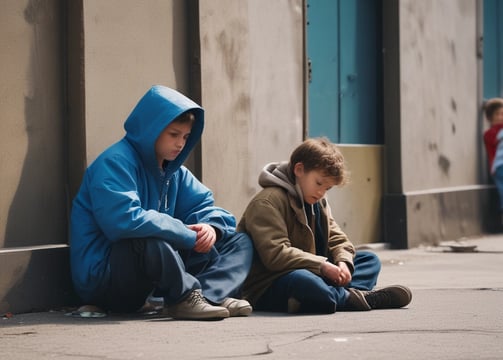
(456, 313)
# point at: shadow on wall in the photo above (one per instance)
(185, 39)
(38, 212)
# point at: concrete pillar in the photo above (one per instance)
(129, 46)
(431, 119)
(71, 74)
(33, 197)
(252, 91)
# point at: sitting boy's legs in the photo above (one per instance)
(128, 284)
(137, 266)
(227, 266)
(367, 267)
(362, 297)
(301, 291)
(229, 263)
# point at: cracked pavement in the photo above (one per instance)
(456, 313)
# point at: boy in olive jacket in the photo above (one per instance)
(304, 262)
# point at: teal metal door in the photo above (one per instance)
(344, 56)
(493, 48)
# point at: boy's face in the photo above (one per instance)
(314, 184)
(171, 141)
(497, 117)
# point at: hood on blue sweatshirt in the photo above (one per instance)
(156, 110)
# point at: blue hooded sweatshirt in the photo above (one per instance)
(125, 195)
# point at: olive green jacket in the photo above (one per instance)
(276, 221)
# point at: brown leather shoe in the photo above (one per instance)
(391, 297)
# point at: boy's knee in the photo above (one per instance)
(309, 283)
(154, 247)
(247, 243)
(243, 240)
(369, 258)
(303, 275)
(238, 243)
(156, 252)
(314, 294)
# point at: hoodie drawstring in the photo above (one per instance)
(311, 222)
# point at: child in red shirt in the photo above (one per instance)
(493, 139)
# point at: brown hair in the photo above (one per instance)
(186, 118)
(491, 106)
(320, 154)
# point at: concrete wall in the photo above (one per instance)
(32, 157)
(118, 50)
(33, 204)
(129, 46)
(438, 67)
(357, 206)
(252, 91)
(252, 87)
(433, 133)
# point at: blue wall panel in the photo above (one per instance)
(344, 48)
(360, 65)
(323, 53)
(493, 48)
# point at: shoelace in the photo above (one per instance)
(196, 297)
(378, 298)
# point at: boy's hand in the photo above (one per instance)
(206, 237)
(338, 274)
(345, 277)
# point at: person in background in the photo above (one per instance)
(493, 140)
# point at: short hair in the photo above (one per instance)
(185, 118)
(321, 154)
(491, 106)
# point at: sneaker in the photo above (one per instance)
(293, 306)
(391, 297)
(237, 307)
(195, 307)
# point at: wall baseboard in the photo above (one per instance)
(429, 217)
(35, 278)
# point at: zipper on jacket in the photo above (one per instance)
(163, 197)
(166, 196)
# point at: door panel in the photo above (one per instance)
(344, 42)
(323, 54)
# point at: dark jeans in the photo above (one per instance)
(498, 181)
(314, 293)
(139, 266)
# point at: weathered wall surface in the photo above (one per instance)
(32, 158)
(252, 81)
(438, 69)
(128, 48)
(33, 204)
(440, 195)
(356, 207)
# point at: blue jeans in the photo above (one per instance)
(314, 293)
(498, 181)
(140, 266)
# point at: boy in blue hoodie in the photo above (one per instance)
(142, 224)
